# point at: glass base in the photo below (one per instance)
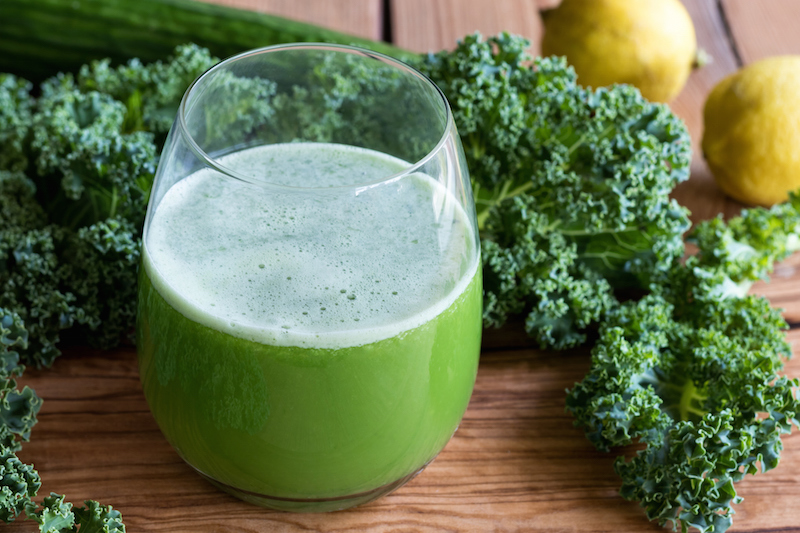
(313, 505)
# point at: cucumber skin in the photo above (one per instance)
(39, 38)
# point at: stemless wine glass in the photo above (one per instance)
(310, 296)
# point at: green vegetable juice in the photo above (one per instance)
(301, 345)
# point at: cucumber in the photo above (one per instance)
(39, 38)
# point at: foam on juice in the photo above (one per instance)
(328, 268)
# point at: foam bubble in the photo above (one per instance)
(330, 269)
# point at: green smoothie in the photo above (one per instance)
(306, 345)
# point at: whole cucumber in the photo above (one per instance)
(41, 37)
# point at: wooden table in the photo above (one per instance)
(516, 463)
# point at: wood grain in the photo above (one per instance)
(433, 25)
(763, 28)
(547, 4)
(783, 290)
(363, 18)
(701, 194)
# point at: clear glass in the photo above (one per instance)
(310, 297)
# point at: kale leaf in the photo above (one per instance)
(76, 167)
(16, 108)
(569, 183)
(693, 372)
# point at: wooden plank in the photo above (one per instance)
(547, 4)
(701, 194)
(516, 463)
(433, 25)
(783, 289)
(763, 28)
(363, 18)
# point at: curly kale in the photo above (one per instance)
(337, 102)
(18, 408)
(34, 274)
(528, 127)
(151, 93)
(58, 516)
(733, 256)
(101, 268)
(30, 273)
(19, 210)
(55, 278)
(70, 232)
(700, 390)
(76, 167)
(596, 167)
(532, 261)
(87, 169)
(16, 108)
(692, 371)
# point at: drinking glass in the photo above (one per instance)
(309, 315)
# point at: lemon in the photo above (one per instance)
(751, 140)
(650, 44)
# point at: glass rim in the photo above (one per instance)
(213, 163)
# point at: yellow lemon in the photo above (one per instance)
(752, 131)
(650, 44)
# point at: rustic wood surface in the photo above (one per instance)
(516, 463)
(425, 26)
(763, 28)
(363, 18)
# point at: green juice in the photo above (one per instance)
(307, 365)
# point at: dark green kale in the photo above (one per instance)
(530, 261)
(55, 278)
(18, 408)
(70, 225)
(30, 270)
(101, 266)
(69, 235)
(16, 108)
(87, 168)
(58, 516)
(76, 167)
(352, 99)
(733, 256)
(151, 93)
(692, 371)
(596, 168)
(701, 390)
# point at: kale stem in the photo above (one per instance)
(503, 195)
(519, 190)
(589, 233)
(114, 201)
(482, 216)
(582, 139)
(689, 396)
